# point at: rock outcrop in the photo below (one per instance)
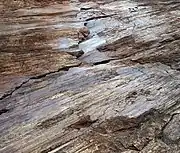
(90, 76)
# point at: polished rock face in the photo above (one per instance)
(90, 76)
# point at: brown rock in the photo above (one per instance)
(129, 104)
(83, 34)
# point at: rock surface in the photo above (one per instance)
(115, 90)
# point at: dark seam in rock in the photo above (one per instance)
(11, 92)
(34, 78)
(84, 9)
(102, 62)
(161, 135)
(100, 17)
(4, 110)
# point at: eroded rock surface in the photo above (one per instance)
(90, 76)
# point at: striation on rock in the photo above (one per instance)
(89, 76)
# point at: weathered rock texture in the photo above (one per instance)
(114, 87)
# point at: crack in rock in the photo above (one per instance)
(33, 78)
